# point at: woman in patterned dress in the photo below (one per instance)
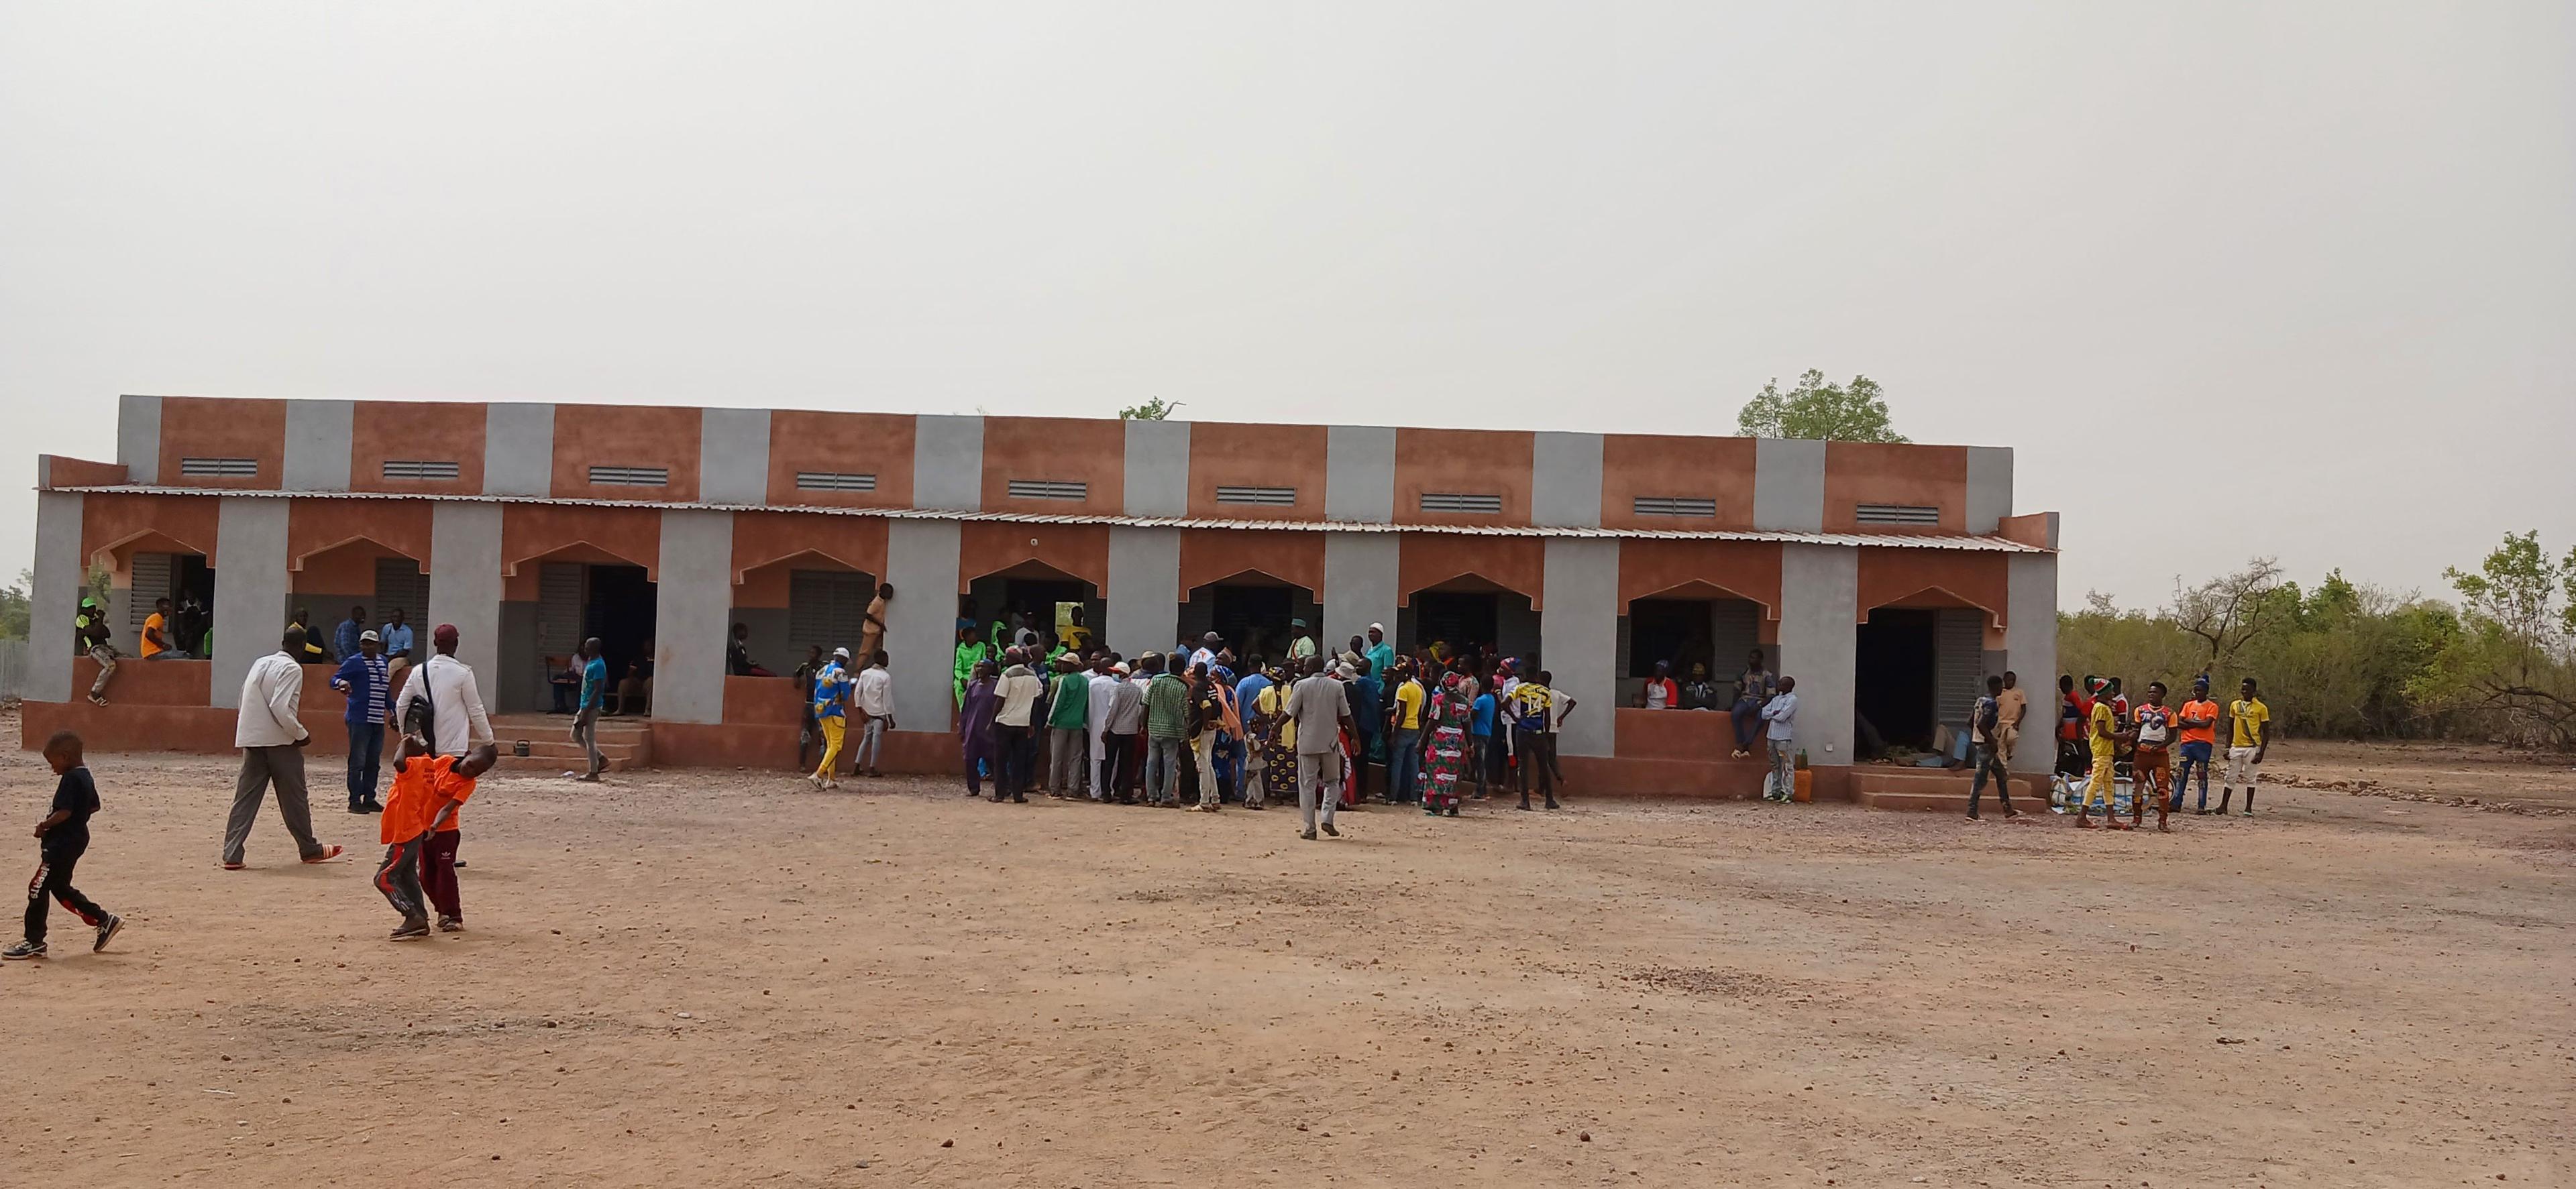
(1449, 714)
(1275, 734)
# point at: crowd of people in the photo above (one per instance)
(2162, 748)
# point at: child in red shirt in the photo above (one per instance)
(427, 790)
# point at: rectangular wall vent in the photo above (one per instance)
(834, 481)
(1674, 505)
(415, 468)
(630, 476)
(1049, 489)
(1897, 514)
(1435, 501)
(1277, 497)
(228, 468)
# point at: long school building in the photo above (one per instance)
(1888, 579)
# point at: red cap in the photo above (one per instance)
(445, 636)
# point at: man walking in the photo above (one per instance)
(1780, 735)
(585, 716)
(363, 678)
(272, 738)
(874, 694)
(1319, 708)
(458, 723)
(1985, 731)
(1068, 724)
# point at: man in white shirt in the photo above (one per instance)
(875, 697)
(271, 738)
(457, 718)
(1017, 695)
(1124, 699)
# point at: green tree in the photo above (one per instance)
(14, 606)
(2511, 666)
(1855, 412)
(1156, 409)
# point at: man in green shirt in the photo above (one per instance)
(1069, 722)
(970, 653)
(1166, 732)
(89, 627)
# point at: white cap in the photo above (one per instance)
(1379, 628)
(841, 653)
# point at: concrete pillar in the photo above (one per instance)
(947, 469)
(318, 437)
(1360, 585)
(1990, 487)
(692, 595)
(518, 454)
(1158, 469)
(138, 438)
(465, 587)
(733, 466)
(1359, 475)
(921, 620)
(1788, 487)
(1579, 638)
(1565, 481)
(2030, 651)
(250, 590)
(61, 576)
(1144, 589)
(1819, 598)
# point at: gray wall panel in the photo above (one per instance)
(947, 464)
(1579, 633)
(692, 596)
(518, 451)
(1819, 597)
(1788, 485)
(733, 459)
(250, 590)
(1359, 476)
(61, 575)
(921, 621)
(318, 434)
(1990, 486)
(138, 438)
(465, 590)
(1158, 468)
(1360, 580)
(1144, 589)
(1565, 480)
(2030, 651)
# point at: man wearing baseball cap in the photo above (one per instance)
(458, 722)
(363, 677)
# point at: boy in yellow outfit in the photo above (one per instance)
(831, 696)
(2103, 728)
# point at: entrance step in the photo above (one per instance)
(1933, 791)
(625, 744)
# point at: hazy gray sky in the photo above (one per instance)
(2233, 279)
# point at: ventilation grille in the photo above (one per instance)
(1674, 505)
(1276, 497)
(1434, 501)
(414, 468)
(630, 476)
(834, 481)
(1048, 489)
(1897, 514)
(227, 468)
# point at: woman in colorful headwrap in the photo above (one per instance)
(975, 727)
(1448, 717)
(1275, 733)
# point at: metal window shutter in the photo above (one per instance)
(399, 583)
(1735, 629)
(826, 607)
(559, 601)
(1959, 663)
(151, 581)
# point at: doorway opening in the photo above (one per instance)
(1893, 682)
(1253, 615)
(1050, 605)
(1470, 614)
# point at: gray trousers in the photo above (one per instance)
(585, 731)
(106, 658)
(1163, 769)
(261, 767)
(1319, 784)
(1065, 762)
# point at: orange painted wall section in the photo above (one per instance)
(153, 523)
(209, 427)
(878, 444)
(81, 472)
(986, 547)
(1514, 563)
(1209, 555)
(1744, 569)
(1935, 578)
(1859, 473)
(759, 538)
(1719, 469)
(626, 436)
(422, 431)
(1465, 462)
(761, 701)
(2031, 530)
(627, 536)
(318, 526)
(1232, 454)
(1085, 450)
(149, 683)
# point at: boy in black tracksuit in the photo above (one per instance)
(61, 838)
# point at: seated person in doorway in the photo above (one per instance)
(635, 689)
(160, 642)
(344, 638)
(1659, 692)
(312, 652)
(565, 681)
(738, 655)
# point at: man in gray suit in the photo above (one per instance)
(1319, 707)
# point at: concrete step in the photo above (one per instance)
(635, 752)
(1929, 790)
(1956, 803)
(556, 766)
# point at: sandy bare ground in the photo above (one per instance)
(710, 979)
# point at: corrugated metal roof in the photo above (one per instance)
(1960, 542)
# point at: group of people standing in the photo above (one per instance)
(2164, 747)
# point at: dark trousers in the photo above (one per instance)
(1477, 746)
(1989, 763)
(366, 751)
(2195, 757)
(1011, 770)
(54, 881)
(1118, 767)
(438, 873)
(1404, 765)
(398, 877)
(1748, 723)
(1360, 764)
(1533, 747)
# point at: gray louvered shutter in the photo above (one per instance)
(151, 581)
(1959, 663)
(559, 600)
(825, 607)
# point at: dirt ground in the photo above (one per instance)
(727, 979)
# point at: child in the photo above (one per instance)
(438, 855)
(426, 791)
(61, 838)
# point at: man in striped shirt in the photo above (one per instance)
(363, 678)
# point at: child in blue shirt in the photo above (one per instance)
(1481, 752)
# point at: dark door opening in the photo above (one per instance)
(1456, 618)
(1673, 630)
(620, 611)
(1046, 603)
(1893, 675)
(192, 596)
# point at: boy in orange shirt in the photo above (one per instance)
(427, 789)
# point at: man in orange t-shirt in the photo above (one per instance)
(2198, 724)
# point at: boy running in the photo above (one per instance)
(2249, 736)
(427, 791)
(830, 700)
(60, 840)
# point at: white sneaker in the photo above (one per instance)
(831, 784)
(814, 779)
